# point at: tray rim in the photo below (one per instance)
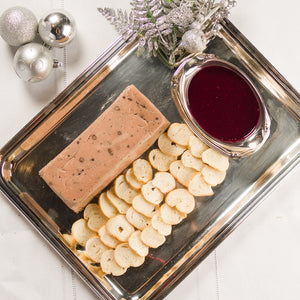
(182, 271)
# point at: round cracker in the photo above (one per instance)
(107, 208)
(119, 228)
(109, 264)
(196, 146)
(121, 205)
(123, 189)
(151, 193)
(160, 161)
(168, 147)
(159, 224)
(94, 248)
(171, 215)
(181, 199)
(198, 187)
(181, 173)
(81, 232)
(164, 181)
(142, 206)
(136, 244)
(179, 133)
(94, 216)
(152, 238)
(126, 257)
(107, 239)
(215, 159)
(142, 170)
(90, 210)
(132, 180)
(213, 176)
(136, 219)
(190, 161)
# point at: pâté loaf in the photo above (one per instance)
(123, 132)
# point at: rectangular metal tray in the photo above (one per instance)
(248, 180)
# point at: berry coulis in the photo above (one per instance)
(223, 103)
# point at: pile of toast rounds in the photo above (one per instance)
(151, 196)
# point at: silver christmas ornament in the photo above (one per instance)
(181, 16)
(33, 62)
(196, 25)
(18, 26)
(57, 28)
(194, 41)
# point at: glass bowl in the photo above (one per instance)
(180, 86)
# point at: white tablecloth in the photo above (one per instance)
(260, 260)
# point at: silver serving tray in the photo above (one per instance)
(248, 180)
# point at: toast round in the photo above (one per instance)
(94, 248)
(160, 161)
(136, 244)
(119, 228)
(109, 264)
(152, 238)
(164, 181)
(168, 147)
(179, 133)
(126, 257)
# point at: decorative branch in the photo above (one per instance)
(169, 28)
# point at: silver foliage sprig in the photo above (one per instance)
(160, 24)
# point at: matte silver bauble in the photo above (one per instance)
(57, 28)
(33, 62)
(194, 41)
(18, 26)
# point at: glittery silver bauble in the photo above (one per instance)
(18, 26)
(33, 62)
(194, 41)
(181, 16)
(57, 28)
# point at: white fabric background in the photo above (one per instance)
(259, 260)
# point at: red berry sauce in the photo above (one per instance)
(223, 103)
